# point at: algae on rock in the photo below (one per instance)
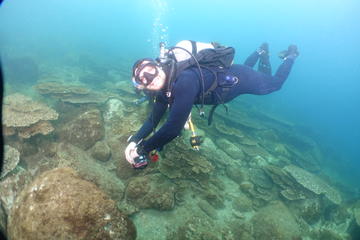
(59, 204)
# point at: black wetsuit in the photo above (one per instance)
(186, 92)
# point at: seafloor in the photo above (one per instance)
(256, 176)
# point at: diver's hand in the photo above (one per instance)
(131, 152)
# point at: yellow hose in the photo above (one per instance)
(192, 128)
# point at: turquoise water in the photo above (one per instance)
(321, 96)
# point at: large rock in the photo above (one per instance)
(60, 205)
(151, 191)
(101, 151)
(90, 169)
(275, 222)
(85, 130)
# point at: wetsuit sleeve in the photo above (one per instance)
(152, 121)
(184, 92)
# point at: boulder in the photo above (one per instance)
(101, 151)
(90, 169)
(151, 191)
(84, 131)
(275, 222)
(59, 204)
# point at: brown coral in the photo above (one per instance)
(313, 183)
(58, 89)
(42, 127)
(21, 111)
(70, 93)
(23, 115)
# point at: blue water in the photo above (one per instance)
(321, 94)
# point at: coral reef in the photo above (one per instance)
(11, 160)
(60, 90)
(313, 183)
(255, 177)
(59, 204)
(70, 93)
(180, 163)
(26, 117)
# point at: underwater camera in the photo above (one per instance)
(141, 162)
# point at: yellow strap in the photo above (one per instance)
(192, 128)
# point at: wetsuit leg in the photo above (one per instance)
(254, 82)
(264, 84)
(264, 64)
(252, 59)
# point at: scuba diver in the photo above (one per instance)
(195, 73)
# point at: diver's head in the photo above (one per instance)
(147, 74)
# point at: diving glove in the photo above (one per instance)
(136, 156)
